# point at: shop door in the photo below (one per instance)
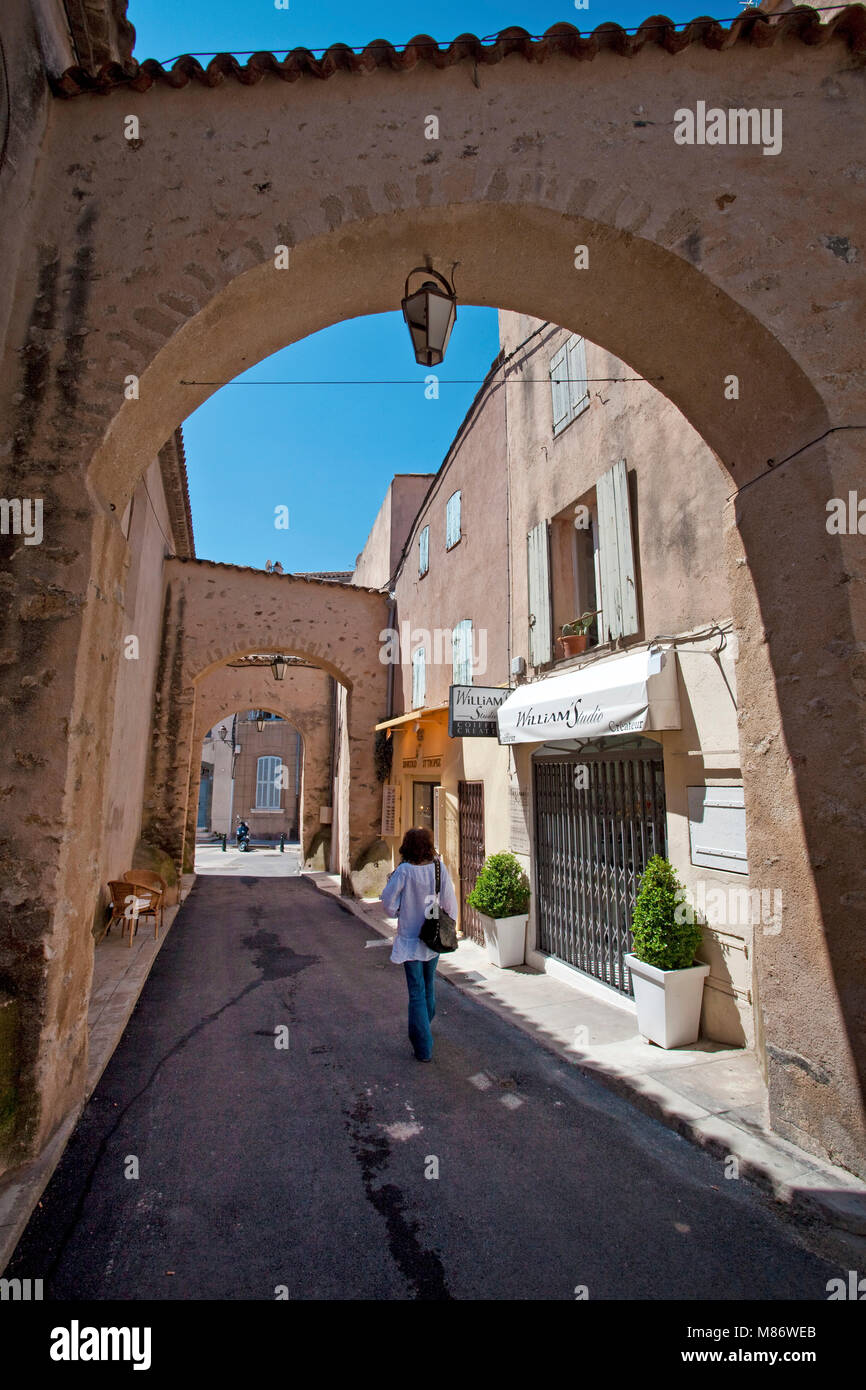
(470, 808)
(422, 804)
(597, 821)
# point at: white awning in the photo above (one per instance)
(617, 695)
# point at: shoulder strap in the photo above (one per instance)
(438, 875)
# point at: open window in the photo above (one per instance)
(574, 565)
(591, 561)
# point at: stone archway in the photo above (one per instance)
(303, 698)
(702, 264)
(213, 613)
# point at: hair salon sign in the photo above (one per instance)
(472, 710)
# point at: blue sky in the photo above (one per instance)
(328, 452)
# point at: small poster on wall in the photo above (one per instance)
(519, 820)
(390, 811)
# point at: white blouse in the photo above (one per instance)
(407, 895)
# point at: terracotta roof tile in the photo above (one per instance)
(760, 30)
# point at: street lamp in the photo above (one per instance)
(430, 313)
(261, 721)
(278, 666)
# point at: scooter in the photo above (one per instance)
(243, 835)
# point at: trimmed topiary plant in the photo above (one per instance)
(501, 889)
(660, 938)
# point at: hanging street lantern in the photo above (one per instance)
(430, 313)
(278, 666)
(260, 721)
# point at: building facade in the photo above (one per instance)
(252, 774)
(608, 502)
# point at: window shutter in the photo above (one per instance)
(419, 678)
(267, 790)
(452, 520)
(578, 389)
(424, 551)
(538, 559)
(462, 652)
(616, 555)
(559, 389)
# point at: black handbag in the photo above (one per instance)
(439, 932)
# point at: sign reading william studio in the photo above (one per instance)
(472, 710)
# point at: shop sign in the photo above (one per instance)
(472, 710)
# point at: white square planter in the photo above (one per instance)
(505, 939)
(668, 1002)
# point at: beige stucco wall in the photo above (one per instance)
(677, 488)
(470, 579)
(378, 559)
(148, 525)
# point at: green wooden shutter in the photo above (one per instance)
(538, 563)
(616, 556)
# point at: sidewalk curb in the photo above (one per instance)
(802, 1188)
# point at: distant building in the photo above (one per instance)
(251, 775)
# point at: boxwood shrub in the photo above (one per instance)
(659, 939)
(501, 889)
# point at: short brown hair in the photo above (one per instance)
(417, 846)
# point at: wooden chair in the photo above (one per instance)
(155, 882)
(129, 901)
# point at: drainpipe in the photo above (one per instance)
(392, 609)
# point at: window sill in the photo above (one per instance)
(600, 649)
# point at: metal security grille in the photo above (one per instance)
(470, 806)
(597, 822)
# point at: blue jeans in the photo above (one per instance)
(422, 1003)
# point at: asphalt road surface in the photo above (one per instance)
(312, 1166)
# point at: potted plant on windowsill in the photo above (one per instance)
(668, 982)
(575, 634)
(501, 897)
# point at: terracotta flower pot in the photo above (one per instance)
(574, 643)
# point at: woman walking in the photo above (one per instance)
(408, 896)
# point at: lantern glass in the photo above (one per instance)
(430, 315)
(260, 723)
